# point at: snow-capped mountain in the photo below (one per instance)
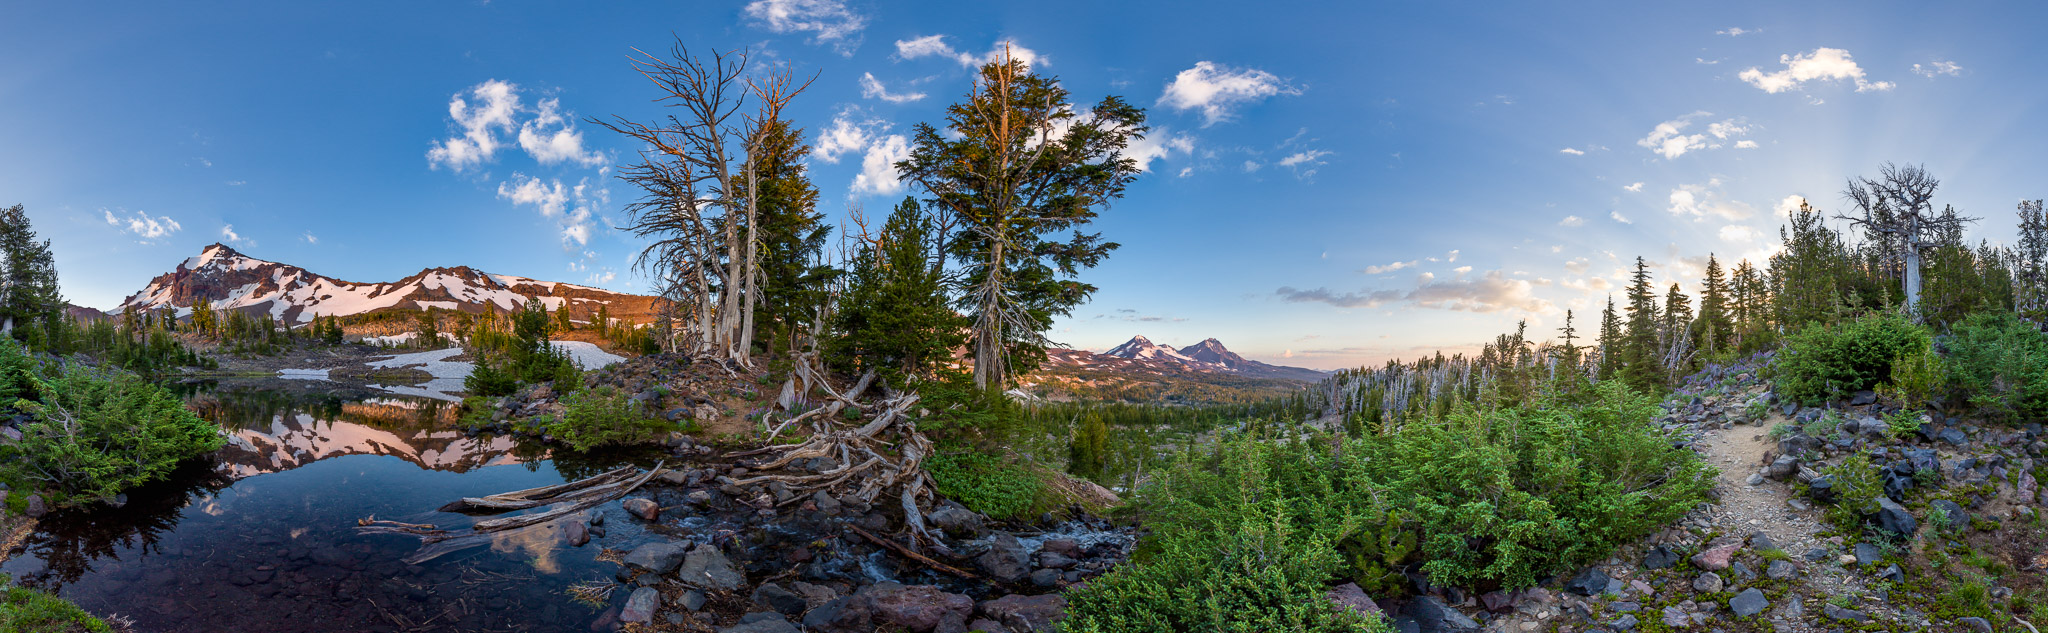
(1207, 356)
(232, 281)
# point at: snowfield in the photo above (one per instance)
(587, 355)
(447, 374)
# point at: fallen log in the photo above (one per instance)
(511, 500)
(506, 523)
(907, 553)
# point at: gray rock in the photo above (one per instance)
(658, 557)
(1676, 618)
(1026, 614)
(1948, 514)
(1431, 615)
(1980, 625)
(1006, 559)
(1626, 622)
(956, 521)
(762, 622)
(1063, 546)
(1054, 560)
(1953, 437)
(1046, 577)
(1742, 572)
(783, 601)
(644, 508)
(1892, 573)
(36, 507)
(1846, 615)
(917, 608)
(1589, 582)
(1867, 554)
(575, 532)
(1893, 518)
(641, 605)
(1749, 602)
(1761, 541)
(1350, 596)
(691, 600)
(1862, 398)
(708, 568)
(1660, 557)
(841, 615)
(1781, 570)
(1708, 582)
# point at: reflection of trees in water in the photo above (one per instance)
(574, 465)
(69, 541)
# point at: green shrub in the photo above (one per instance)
(1828, 361)
(2000, 363)
(604, 417)
(93, 433)
(25, 610)
(1246, 534)
(1515, 495)
(1857, 486)
(994, 485)
(1244, 538)
(1904, 422)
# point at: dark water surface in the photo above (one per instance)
(261, 537)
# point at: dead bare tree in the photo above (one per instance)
(1898, 213)
(697, 176)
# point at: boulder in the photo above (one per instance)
(641, 507)
(1046, 577)
(1748, 603)
(783, 601)
(1660, 557)
(1055, 560)
(641, 605)
(707, 567)
(575, 532)
(1428, 614)
(657, 558)
(1588, 583)
(762, 622)
(1867, 554)
(1350, 596)
(1862, 398)
(1781, 570)
(1707, 582)
(918, 608)
(1717, 555)
(1028, 614)
(840, 615)
(1892, 517)
(36, 507)
(1953, 437)
(1006, 559)
(956, 521)
(1947, 514)
(1063, 546)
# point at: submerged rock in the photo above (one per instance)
(707, 567)
(646, 509)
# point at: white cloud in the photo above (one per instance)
(1576, 266)
(829, 21)
(1305, 162)
(1453, 257)
(1572, 220)
(309, 238)
(1701, 201)
(1637, 187)
(1937, 68)
(1786, 207)
(227, 234)
(1571, 151)
(1669, 139)
(1379, 270)
(148, 229)
(493, 108)
(1618, 217)
(496, 103)
(1216, 90)
(1737, 31)
(601, 277)
(1745, 144)
(1830, 64)
(878, 168)
(846, 135)
(569, 207)
(551, 138)
(1252, 166)
(1160, 143)
(1739, 234)
(872, 88)
(936, 46)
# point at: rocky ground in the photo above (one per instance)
(763, 558)
(1957, 543)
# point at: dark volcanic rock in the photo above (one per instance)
(1006, 559)
(1588, 583)
(919, 608)
(657, 558)
(1026, 614)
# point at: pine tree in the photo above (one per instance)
(28, 291)
(792, 233)
(1712, 329)
(1676, 351)
(1640, 366)
(1611, 342)
(893, 316)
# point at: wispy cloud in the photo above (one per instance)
(1669, 139)
(1572, 220)
(1938, 68)
(936, 46)
(1491, 292)
(872, 88)
(1736, 31)
(227, 235)
(829, 22)
(1571, 151)
(571, 207)
(1634, 188)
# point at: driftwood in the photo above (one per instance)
(534, 497)
(574, 498)
(907, 553)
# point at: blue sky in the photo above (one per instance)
(1328, 184)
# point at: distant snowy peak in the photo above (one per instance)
(231, 281)
(1209, 356)
(1141, 348)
